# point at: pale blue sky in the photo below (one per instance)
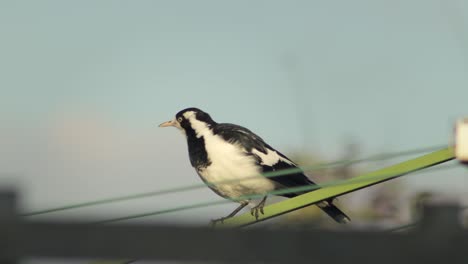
(85, 83)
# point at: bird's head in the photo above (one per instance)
(190, 119)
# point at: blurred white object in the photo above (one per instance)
(461, 140)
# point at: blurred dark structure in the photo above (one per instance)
(438, 238)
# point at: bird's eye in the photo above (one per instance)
(179, 119)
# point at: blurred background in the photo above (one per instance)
(85, 84)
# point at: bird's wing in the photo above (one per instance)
(267, 157)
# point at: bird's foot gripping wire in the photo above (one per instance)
(213, 222)
(242, 205)
(256, 210)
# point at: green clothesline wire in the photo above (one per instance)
(378, 157)
(257, 196)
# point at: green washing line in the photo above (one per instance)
(348, 186)
(378, 157)
(305, 188)
(382, 176)
(331, 191)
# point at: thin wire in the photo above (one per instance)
(277, 192)
(278, 173)
(169, 210)
(402, 227)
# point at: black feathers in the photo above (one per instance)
(197, 152)
(335, 213)
(239, 135)
(199, 114)
(289, 180)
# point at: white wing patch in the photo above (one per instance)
(270, 158)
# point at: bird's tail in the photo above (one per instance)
(334, 212)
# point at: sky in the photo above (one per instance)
(85, 84)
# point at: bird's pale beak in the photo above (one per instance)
(168, 123)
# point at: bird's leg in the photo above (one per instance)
(259, 207)
(242, 205)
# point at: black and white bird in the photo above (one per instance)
(227, 156)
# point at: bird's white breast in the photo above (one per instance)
(232, 171)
